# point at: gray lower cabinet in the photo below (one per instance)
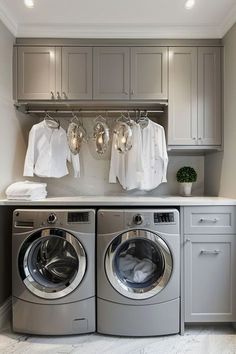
(149, 68)
(77, 73)
(111, 73)
(194, 96)
(37, 69)
(209, 278)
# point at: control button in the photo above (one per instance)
(138, 219)
(52, 218)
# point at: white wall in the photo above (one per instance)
(220, 168)
(13, 125)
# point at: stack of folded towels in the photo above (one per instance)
(26, 190)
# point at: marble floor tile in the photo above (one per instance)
(219, 339)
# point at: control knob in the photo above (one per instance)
(138, 219)
(52, 218)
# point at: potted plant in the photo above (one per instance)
(186, 176)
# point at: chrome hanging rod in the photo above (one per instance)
(58, 111)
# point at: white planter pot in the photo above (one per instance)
(186, 189)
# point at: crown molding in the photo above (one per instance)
(117, 30)
(8, 20)
(228, 21)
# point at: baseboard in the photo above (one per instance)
(5, 314)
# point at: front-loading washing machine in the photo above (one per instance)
(138, 272)
(53, 271)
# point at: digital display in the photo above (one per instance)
(160, 218)
(78, 217)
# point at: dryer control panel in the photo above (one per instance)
(160, 220)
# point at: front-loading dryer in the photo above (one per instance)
(53, 271)
(138, 272)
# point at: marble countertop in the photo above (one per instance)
(123, 201)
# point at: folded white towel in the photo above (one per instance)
(26, 190)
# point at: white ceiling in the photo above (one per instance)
(119, 18)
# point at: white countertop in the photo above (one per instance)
(122, 201)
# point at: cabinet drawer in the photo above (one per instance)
(209, 220)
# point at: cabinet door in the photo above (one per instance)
(182, 126)
(209, 96)
(111, 73)
(76, 73)
(209, 278)
(149, 73)
(36, 73)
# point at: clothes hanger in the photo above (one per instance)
(143, 120)
(51, 121)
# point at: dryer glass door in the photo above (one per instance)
(52, 263)
(138, 264)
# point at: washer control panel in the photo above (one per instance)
(164, 218)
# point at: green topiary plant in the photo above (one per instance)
(186, 174)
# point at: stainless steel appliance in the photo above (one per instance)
(53, 271)
(138, 265)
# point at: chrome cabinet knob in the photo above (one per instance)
(58, 95)
(52, 95)
(65, 95)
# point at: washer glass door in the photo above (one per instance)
(138, 264)
(52, 263)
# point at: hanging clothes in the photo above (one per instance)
(144, 167)
(48, 153)
(127, 167)
(154, 156)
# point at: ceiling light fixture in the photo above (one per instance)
(29, 3)
(189, 4)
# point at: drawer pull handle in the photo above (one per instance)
(209, 220)
(215, 252)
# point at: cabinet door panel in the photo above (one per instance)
(149, 73)
(36, 73)
(77, 73)
(209, 278)
(209, 96)
(182, 129)
(111, 73)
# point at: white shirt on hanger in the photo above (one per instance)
(154, 156)
(127, 167)
(48, 153)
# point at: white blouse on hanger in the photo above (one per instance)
(127, 167)
(48, 153)
(154, 156)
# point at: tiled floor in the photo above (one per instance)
(197, 340)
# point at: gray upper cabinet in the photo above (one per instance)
(149, 67)
(76, 73)
(182, 120)
(209, 96)
(111, 73)
(36, 73)
(194, 96)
